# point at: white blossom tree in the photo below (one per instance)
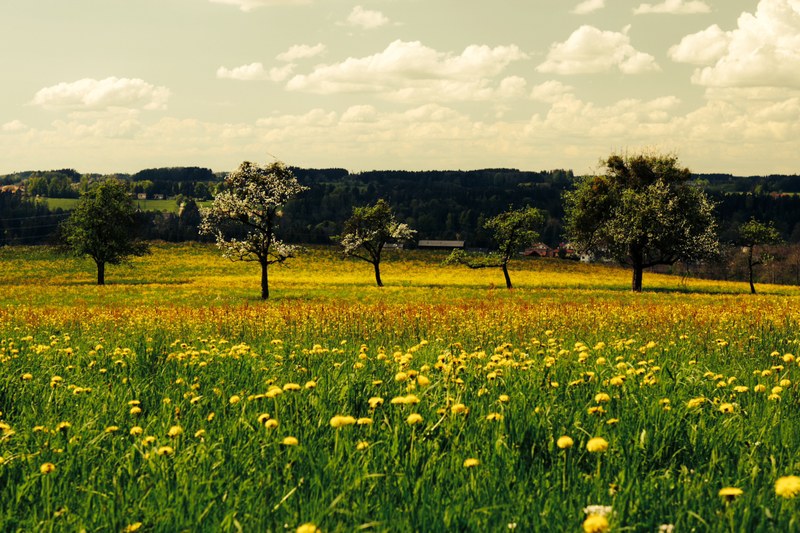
(244, 216)
(368, 231)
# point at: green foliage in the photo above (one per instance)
(644, 212)
(752, 234)
(101, 227)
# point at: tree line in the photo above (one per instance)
(643, 211)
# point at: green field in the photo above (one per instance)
(169, 206)
(174, 400)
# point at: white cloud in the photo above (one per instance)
(256, 72)
(367, 19)
(763, 51)
(701, 48)
(589, 6)
(410, 70)
(15, 126)
(301, 51)
(551, 91)
(674, 7)
(590, 50)
(249, 5)
(107, 93)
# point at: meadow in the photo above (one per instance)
(173, 399)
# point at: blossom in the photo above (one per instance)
(726, 408)
(362, 445)
(414, 418)
(233, 400)
(111, 429)
(364, 421)
(308, 527)
(174, 431)
(289, 441)
(135, 410)
(730, 493)
(136, 431)
(595, 523)
(469, 463)
(565, 442)
(339, 421)
(165, 450)
(787, 486)
(597, 445)
(47, 468)
(375, 401)
(271, 423)
(602, 397)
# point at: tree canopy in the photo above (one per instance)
(102, 226)
(752, 234)
(643, 211)
(368, 230)
(244, 217)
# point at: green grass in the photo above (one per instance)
(182, 333)
(169, 206)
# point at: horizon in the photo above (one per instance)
(404, 85)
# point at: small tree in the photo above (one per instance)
(245, 215)
(368, 231)
(101, 227)
(513, 231)
(644, 212)
(752, 234)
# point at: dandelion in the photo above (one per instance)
(602, 397)
(787, 486)
(595, 523)
(565, 442)
(136, 431)
(63, 426)
(111, 429)
(760, 388)
(308, 527)
(174, 431)
(597, 445)
(291, 387)
(364, 421)
(47, 468)
(503, 398)
(130, 528)
(271, 423)
(310, 384)
(165, 450)
(695, 402)
(27, 376)
(150, 439)
(362, 445)
(612, 421)
(200, 433)
(730, 493)
(726, 408)
(471, 462)
(135, 411)
(375, 401)
(414, 418)
(289, 441)
(494, 417)
(339, 421)
(262, 418)
(233, 400)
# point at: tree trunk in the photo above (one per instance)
(638, 269)
(508, 278)
(264, 280)
(750, 275)
(377, 266)
(101, 272)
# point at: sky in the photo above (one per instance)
(106, 86)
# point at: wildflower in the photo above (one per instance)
(174, 431)
(760, 388)
(27, 376)
(695, 402)
(458, 408)
(63, 426)
(503, 398)
(311, 384)
(165, 450)
(150, 439)
(200, 433)
(130, 528)
(289, 441)
(271, 423)
(595, 523)
(726, 408)
(602, 397)
(612, 421)
(787, 486)
(136, 431)
(233, 400)
(362, 445)
(262, 418)
(730, 493)
(596, 410)
(494, 416)
(308, 527)
(597, 445)
(423, 381)
(364, 421)
(47, 468)
(341, 421)
(289, 387)
(414, 418)
(135, 410)
(469, 463)
(741, 389)
(111, 429)
(210, 417)
(375, 401)
(565, 442)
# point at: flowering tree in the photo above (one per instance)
(754, 233)
(244, 216)
(368, 231)
(513, 230)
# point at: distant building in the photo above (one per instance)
(540, 249)
(141, 196)
(158, 197)
(448, 245)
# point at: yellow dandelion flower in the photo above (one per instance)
(311, 384)
(135, 411)
(339, 421)
(774, 397)
(271, 423)
(423, 381)
(210, 417)
(362, 445)
(787, 486)
(375, 401)
(494, 417)
(597, 445)
(760, 388)
(504, 398)
(233, 400)
(364, 421)
(414, 418)
(130, 528)
(289, 441)
(565, 442)
(458, 408)
(726, 408)
(262, 418)
(290, 387)
(136, 431)
(47, 468)
(27, 376)
(471, 462)
(602, 397)
(401, 376)
(150, 439)
(174, 431)
(730, 493)
(741, 389)
(308, 528)
(612, 421)
(165, 450)
(595, 523)
(596, 410)
(200, 433)
(695, 402)
(111, 429)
